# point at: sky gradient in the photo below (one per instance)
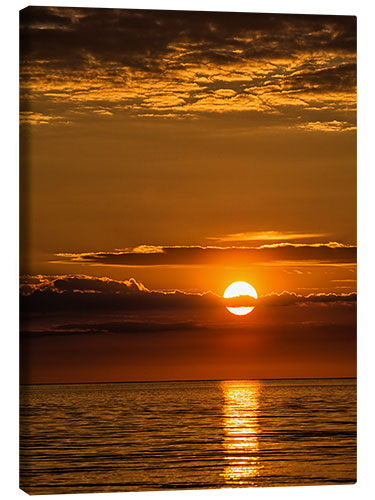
(165, 155)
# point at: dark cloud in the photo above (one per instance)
(339, 78)
(237, 256)
(291, 298)
(119, 58)
(84, 294)
(88, 296)
(123, 35)
(145, 326)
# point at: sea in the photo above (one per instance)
(140, 436)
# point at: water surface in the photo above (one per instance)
(180, 435)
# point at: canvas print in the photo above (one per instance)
(188, 250)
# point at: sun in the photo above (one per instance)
(240, 289)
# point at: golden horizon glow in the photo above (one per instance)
(239, 289)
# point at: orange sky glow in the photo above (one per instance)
(156, 170)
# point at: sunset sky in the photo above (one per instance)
(165, 155)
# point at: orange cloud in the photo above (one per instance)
(265, 236)
(212, 65)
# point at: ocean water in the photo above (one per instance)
(187, 435)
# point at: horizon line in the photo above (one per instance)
(186, 380)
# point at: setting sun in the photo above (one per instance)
(240, 289)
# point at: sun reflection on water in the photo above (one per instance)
(241, 441)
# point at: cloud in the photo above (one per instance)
(332, 126)
(209, 36)
(113, 327)
(290, 298)
(189, 63)
(85, 294)
(48, 296)
(31, 118)
(309, 254)
(266, 236)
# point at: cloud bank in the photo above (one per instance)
(48, 295)
(282, 253)
(169, 64)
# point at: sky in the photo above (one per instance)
(165, 155)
